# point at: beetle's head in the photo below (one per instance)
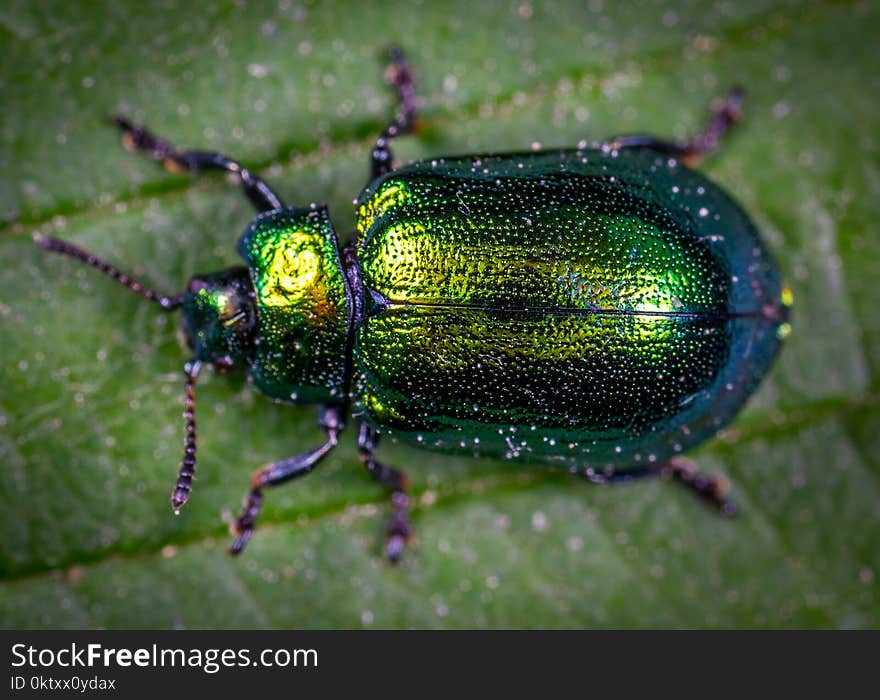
(218, 324)
(218, 317)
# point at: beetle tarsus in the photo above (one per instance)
(402, 77)
(712, 489)
(399, 529)
(394, 548)
(136, 138)
(240, 543)
(726, 113)
(246, 522)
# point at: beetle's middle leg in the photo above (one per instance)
(175, 159)
(712, 489)
(399, 530)
(332, 420)
(400, 75)
(726, 113)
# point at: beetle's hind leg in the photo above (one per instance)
(399, 530)
(712, 489)
(726, 113)
(332, 420)
(135, 137)
(400, 75)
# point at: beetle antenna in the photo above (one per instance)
(56, 245)
(188, 464)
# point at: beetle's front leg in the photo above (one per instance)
(400, 75)
(135, 137)
(726, 113)
(399, 530)
(712, 489)
(332, 420)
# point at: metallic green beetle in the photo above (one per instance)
(603, 308)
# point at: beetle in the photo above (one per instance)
(602, 308)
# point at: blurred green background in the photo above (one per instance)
(90, 425)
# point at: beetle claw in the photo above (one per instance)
(394, 548)
(240, 541)
(729, 508)
(244, 525)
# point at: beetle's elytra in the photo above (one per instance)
(603, 308)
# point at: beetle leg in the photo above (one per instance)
(712, 489)
(332, 420)
(400, 75)
(176, 160)
(726, 113)
(399, 530)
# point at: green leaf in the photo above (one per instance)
(90, 425)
